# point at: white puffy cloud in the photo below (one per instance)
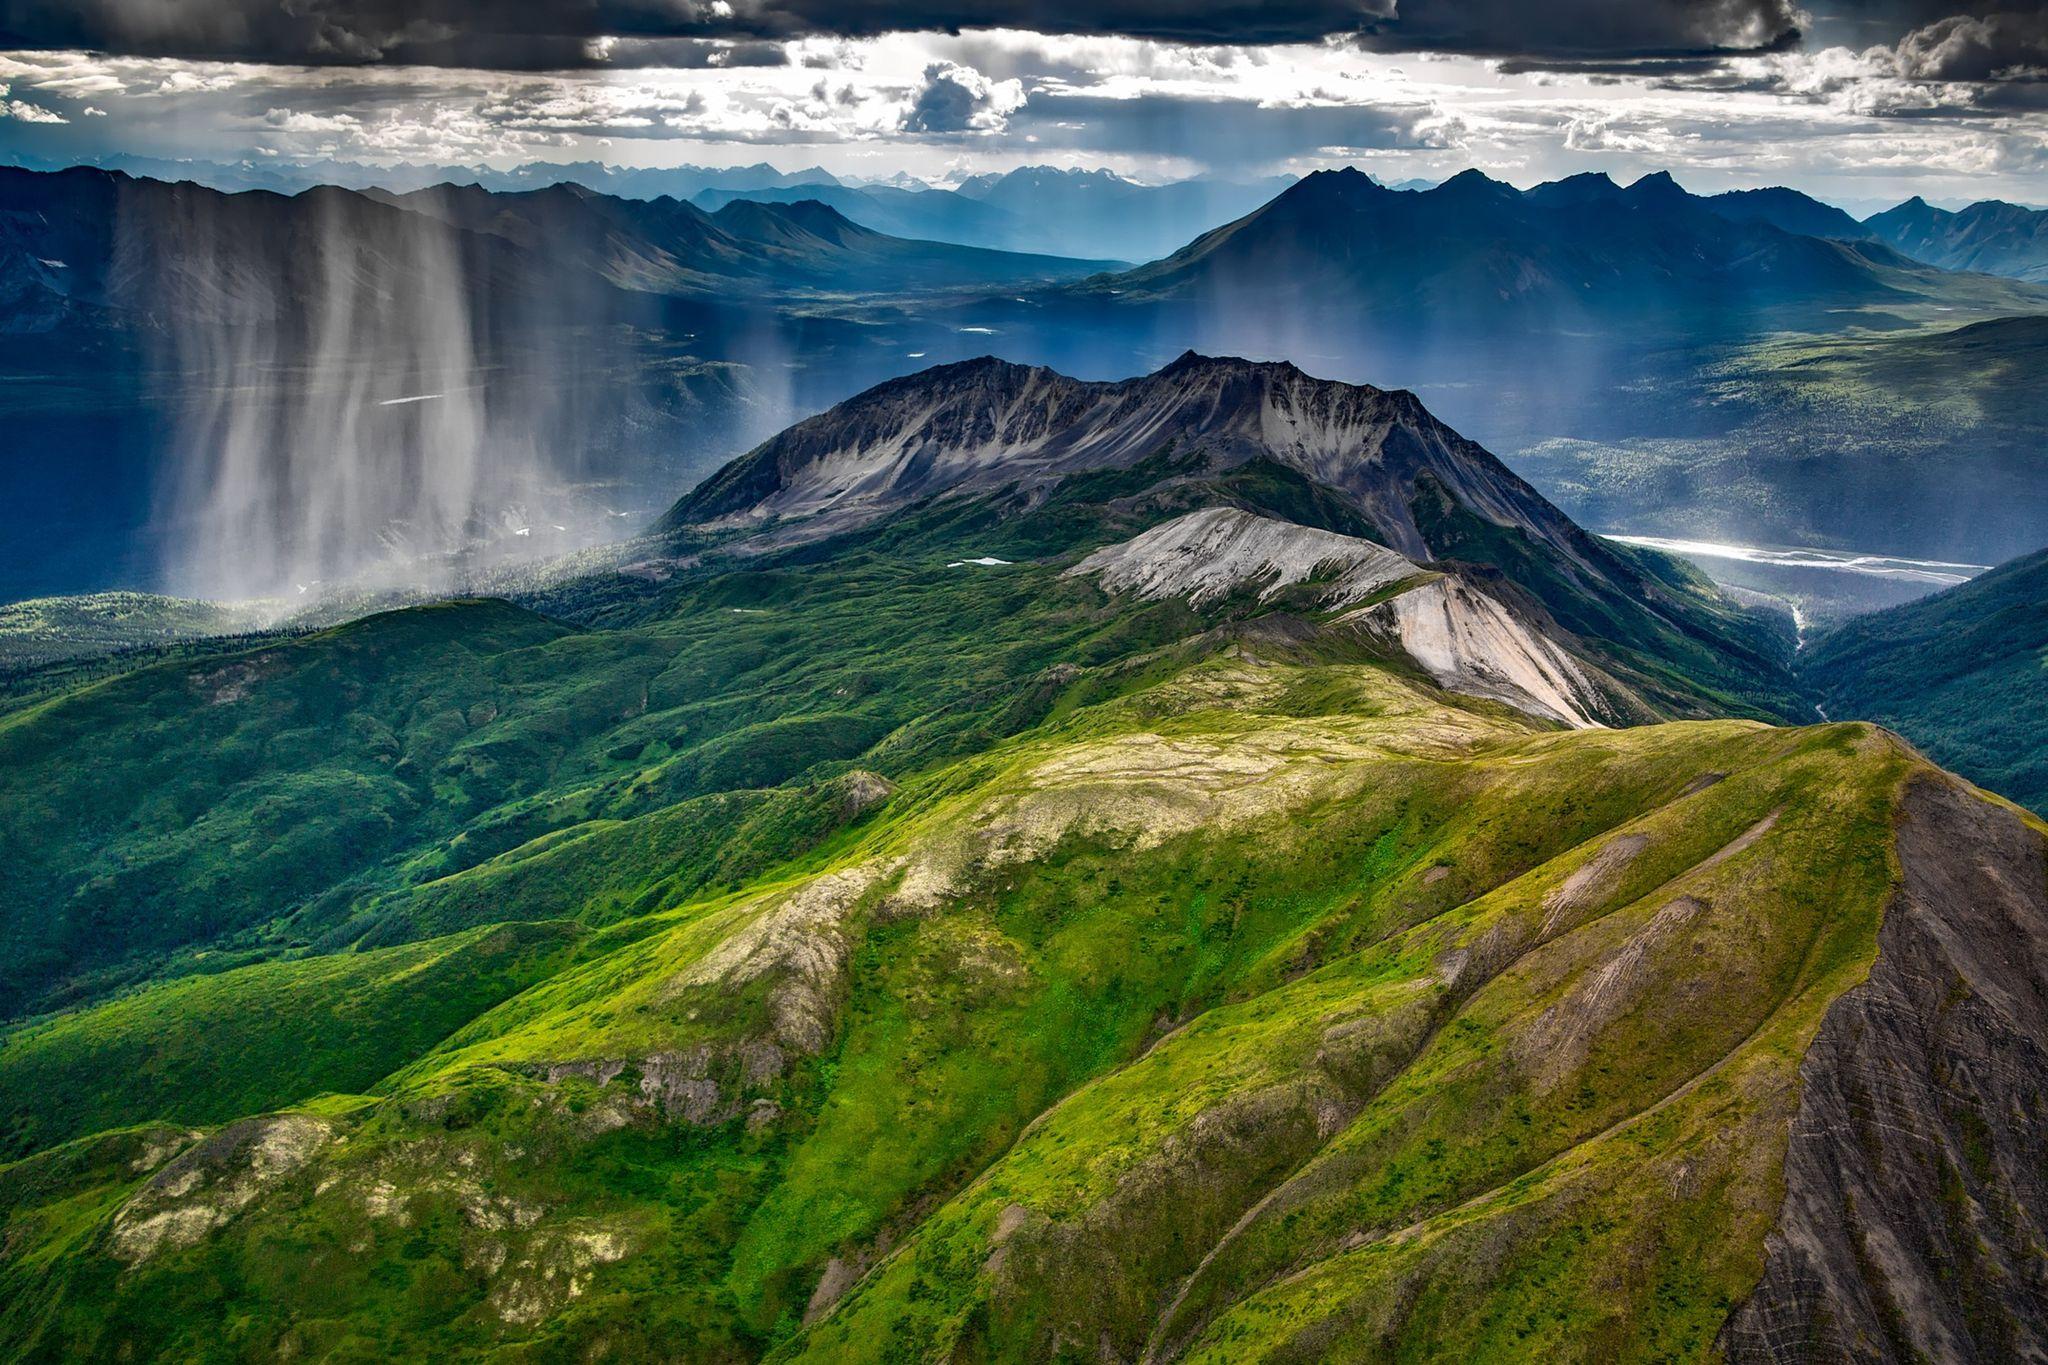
(23, 111)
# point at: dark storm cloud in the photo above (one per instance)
(1568, 35)
(540, 34)
(1989, 62)
(509, 35)
(1864, 23)
(1991, 47)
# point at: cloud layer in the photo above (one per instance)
(1879, 98)
(550, 34)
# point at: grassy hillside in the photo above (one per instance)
(419, 772)
(209, 1048)
(867, 953)
(277, 799)
(1284, 935)
(1964, 675)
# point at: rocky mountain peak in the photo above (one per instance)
(985, 424)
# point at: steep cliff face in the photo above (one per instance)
(1916, 1201)
(1471, 643)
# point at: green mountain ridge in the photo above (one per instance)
(1140, 916)
(1964, 672)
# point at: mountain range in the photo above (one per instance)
(629, 344)
(1576, 306)
(1990, 236)
(1090, 213)
(636, 343)
(1638, 326)
(1035, 208)
(1208, 867)
(98, 240)
(1995, 237)
(669, 246)
(636, 182)
(1564, 256)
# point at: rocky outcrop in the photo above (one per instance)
(1468, 642)
(800, 946)
(1915, 1215)
(1208, 555)
(860, 791)
(1462, 638)
(212, 1181)
(704, 1086)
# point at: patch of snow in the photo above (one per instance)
(1207, 555)
(980, 331)
(986, 561)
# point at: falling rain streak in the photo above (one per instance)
(334, 425)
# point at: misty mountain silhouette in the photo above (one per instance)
(1992, 236)
(1474, 252)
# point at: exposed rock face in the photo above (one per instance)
(214, 1180)
(1470, 643)
(1464, 639)
(985, 424)
(1212, 553)
(802, 945)
(703, 1086)
(860, 791)
(1916, 1202)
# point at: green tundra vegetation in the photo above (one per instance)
(1963, 674)
(854, 953)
